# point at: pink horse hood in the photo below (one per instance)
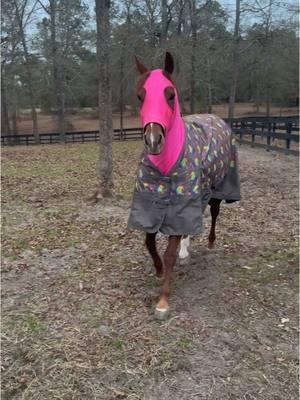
(156, 109)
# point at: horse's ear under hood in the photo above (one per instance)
(168, 67)
(169, 63)
(140, 67)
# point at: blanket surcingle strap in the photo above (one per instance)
(206, 168)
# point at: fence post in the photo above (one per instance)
(274, 130)
(241, 130)
(253, 134)
(269, 136)
(288, 140)
(262, 130)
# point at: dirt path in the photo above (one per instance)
(78, 290)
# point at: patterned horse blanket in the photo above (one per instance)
(207, 168)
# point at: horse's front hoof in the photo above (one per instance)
(211, 245)
(162, 310)
(162, 314)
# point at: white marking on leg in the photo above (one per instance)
(184, 245)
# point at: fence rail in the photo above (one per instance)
(273, 133)
(256, 131)
(71, 137)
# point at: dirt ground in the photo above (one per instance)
(78, 289)
(87, 119)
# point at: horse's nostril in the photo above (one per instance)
(159, 139)
(146, 141)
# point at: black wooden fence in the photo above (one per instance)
(71, 137)
(274, 133)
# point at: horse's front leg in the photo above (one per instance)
(162, 308)
(151, 246)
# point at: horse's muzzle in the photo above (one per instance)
(154, 138)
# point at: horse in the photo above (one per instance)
(187, 163)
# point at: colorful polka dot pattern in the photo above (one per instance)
(208, 154)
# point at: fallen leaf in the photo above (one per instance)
(284, 320)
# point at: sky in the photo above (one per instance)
(229, 5)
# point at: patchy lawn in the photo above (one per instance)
(78, 289)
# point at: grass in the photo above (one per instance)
(24, 322)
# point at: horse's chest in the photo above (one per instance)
(203, 162)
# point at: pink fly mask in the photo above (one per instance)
(164, 129)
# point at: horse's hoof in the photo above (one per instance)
(211, 245)
(162, 313)
(183, 256)
(162, 310)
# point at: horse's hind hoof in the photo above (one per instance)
(162, 314)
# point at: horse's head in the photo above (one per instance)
(158, 98)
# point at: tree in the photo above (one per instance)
(61, 41)
(5, 125)
(11, 60)
(105, 106)
(22, 19)
(192, 5)
(50, 54)
(235, 60)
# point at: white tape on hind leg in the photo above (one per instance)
(184, 245)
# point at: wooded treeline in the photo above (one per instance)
(246, 53)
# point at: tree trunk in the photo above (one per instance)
(269, 60)
(14, 106)
(5, 126)
(180, 19)
(14, 121)
(209, 86)
(29, 76)
(164, 23)
(105, 100)
(58, 73)
(268, 101)
(192, 77)
(257, 97)
(193, 56)
(235, 60)
(121, 92)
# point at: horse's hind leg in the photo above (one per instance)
(214, 212)
(151, 246)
